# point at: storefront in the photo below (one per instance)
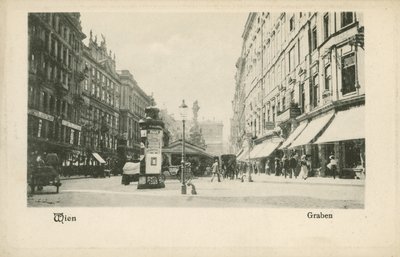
(345, 139)
(339, 133)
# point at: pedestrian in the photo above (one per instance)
(332, 166)
(285, 165)
(277, 167)
(293, 165)
(215, 170)
(304, 167)
(40, 160)
(267, 167)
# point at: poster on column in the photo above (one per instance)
(153, 151)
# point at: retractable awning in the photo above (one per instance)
(255, 150)
(293, 136)
(314, 127)
(244, 155)
(267, 147)
(98, 158)
(347, 125)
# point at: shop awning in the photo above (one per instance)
(255, 150)
(293, 136)
(98, 158)
(314, 127)
(244, 155)
(267, 147)
(347, 125)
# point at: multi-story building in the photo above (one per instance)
(55, 73)
(302, 73)
(238, 122)
(101, 94)
(133, 103)
(212, 132)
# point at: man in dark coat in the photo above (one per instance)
(293, 165)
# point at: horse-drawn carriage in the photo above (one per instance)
(228, 166)
(45, 173)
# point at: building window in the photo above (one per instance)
(72, 136)
(85, 84)
(346, 18)
(40, 128)
(291, 59)
(291, 23)
(326, 26)
(273, 114)
(283, 103)
(315, 89)
(327, 77)
(348, 74)
(313, 38)
(302, 98)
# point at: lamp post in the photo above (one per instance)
(183, 112)
(249, 136)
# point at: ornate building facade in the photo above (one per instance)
(133, 103)
(300, 70)
(100, 92)
(55, 73)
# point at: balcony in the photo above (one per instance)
(289, 113)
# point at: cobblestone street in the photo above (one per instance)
(265, 191)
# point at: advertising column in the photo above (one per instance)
(151, 147)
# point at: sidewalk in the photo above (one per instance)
(311, 180)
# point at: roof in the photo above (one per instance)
(176, 147)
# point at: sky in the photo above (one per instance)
(176, 56)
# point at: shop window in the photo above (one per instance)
(326, 26)
(351, 154)
(348, 74)
(346, 18)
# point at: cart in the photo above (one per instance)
(41, 176)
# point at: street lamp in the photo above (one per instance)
(249, 136)
(184, 113)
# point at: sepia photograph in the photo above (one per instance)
(257, 109)
(199, 128)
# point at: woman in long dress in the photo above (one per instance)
(304, 169)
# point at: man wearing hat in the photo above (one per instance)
(215, 170)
